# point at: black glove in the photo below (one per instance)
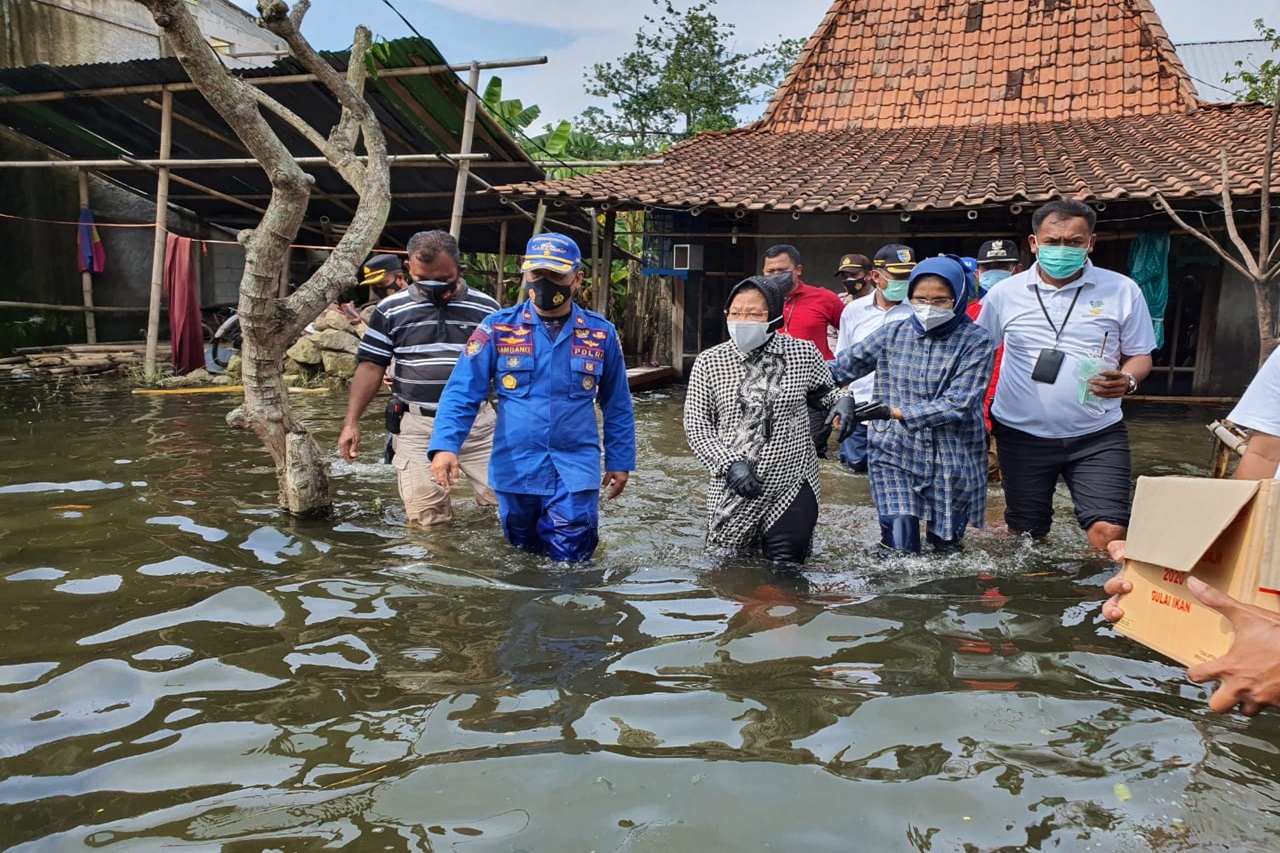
(742, 480)
(873, 410)
(844, 409)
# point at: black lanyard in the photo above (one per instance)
(1057, 329)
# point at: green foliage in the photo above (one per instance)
(1260, 83)
(684, 76)
(512, 114)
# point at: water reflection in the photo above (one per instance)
(183, 666)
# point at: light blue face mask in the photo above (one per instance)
(896, 290)
(990, 279)
(1061, 261)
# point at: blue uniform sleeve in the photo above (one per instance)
(467, 388)
(619, 416)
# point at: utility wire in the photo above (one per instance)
(535, 143)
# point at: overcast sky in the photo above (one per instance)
(573, 34)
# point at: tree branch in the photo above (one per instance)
(346, 132)
(274, 15)
(1264, 228)
(344, 162)
(1203, 238)
(1247, 256)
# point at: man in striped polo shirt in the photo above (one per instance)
(424, 328)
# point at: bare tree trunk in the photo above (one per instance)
(1266, 295)
(270, 323)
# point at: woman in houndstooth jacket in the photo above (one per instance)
(746, 418)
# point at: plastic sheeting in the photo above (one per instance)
(1149, 267)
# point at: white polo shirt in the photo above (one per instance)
(1109, 306)
(1259, 408)
(858, 320)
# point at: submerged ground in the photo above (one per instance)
(184, 667)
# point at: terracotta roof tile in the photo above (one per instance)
(926, 45)
(1127, 156)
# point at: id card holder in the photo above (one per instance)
(1048, 366)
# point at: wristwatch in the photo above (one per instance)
(1133, 384)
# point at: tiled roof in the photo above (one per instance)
(1134, 157)
(922, 63)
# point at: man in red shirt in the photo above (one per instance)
(807, 313)
(997, 260)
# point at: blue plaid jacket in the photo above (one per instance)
(932, 464)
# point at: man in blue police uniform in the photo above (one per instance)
(550, 362)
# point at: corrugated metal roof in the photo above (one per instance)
(420, 115)
(1209, 62)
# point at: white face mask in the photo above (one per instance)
(748, 335)
(932, 317)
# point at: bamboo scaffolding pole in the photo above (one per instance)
(125, 164)
(464, 167)
(161, 235)
(71, 309)
(596, 278)
(285, 79)
(502, 262)
(239, 146)
(333, 196)
(610, 228)
(86, 276)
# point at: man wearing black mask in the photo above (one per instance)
(424, 329)
(854, 273)
(551, 363)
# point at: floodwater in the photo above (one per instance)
(183, 667)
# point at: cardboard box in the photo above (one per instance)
(1222, 531)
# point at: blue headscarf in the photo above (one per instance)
(951, 269)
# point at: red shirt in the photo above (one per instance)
(806, 314)
(974, 309)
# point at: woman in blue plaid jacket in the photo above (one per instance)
(928, 457)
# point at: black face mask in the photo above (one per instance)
(854, 285)
(436, 291)
(548, 295)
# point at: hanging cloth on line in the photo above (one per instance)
(1149, 267)
(89, 250)
(183, 292)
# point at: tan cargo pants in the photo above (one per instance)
(425, 502)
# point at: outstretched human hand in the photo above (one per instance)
(743, 481)
(842, 418)
(1248, 675)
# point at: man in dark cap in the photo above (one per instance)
(383, 275)
(854, 273)
(997, 260)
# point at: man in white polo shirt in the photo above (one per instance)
(865, 315)
(1050, 318)
(1259, 412)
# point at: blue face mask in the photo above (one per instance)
(990, 279)
(1061, 261)
(896, 290)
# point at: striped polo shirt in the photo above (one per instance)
(424, 341)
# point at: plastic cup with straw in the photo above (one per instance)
(1088, 369)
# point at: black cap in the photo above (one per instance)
(853, 263)
(998, 252)
(896, 258)
(376, 270)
